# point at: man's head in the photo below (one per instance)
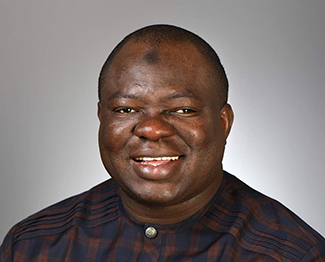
(163, 116)
(157, 35)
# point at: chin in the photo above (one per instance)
(154, 196)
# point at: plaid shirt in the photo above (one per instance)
(239, 224)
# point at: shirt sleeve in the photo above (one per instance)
(315, 254)
(6, 247)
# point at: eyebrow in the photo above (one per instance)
(186, 93)
(175, 95)
(119, 94)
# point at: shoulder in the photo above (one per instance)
(261, 224)
(89, 209)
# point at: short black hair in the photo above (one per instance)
(155, 35)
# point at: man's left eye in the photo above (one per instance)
(185, 111)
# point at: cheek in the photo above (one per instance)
(112, 141)
(203, 134)
(114, 135)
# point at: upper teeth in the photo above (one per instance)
(164, 158)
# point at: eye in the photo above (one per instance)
(185, 111)
(125, 110)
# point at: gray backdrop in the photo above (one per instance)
(51, 53)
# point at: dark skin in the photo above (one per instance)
(163, 130)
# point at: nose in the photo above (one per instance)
(153, 128)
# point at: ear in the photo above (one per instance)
(98, 112)
(227, 118)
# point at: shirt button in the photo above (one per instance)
(150, 232)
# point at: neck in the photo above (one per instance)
(169, 214)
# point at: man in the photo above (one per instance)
(164, 121)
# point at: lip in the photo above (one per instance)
(156, 169)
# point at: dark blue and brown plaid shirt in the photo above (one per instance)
(239, 224)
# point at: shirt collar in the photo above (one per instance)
(174, 228)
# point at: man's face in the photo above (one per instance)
(162, 130)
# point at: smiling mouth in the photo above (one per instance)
(155, 161)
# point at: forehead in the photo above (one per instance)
(168, 66)
(181, 54)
